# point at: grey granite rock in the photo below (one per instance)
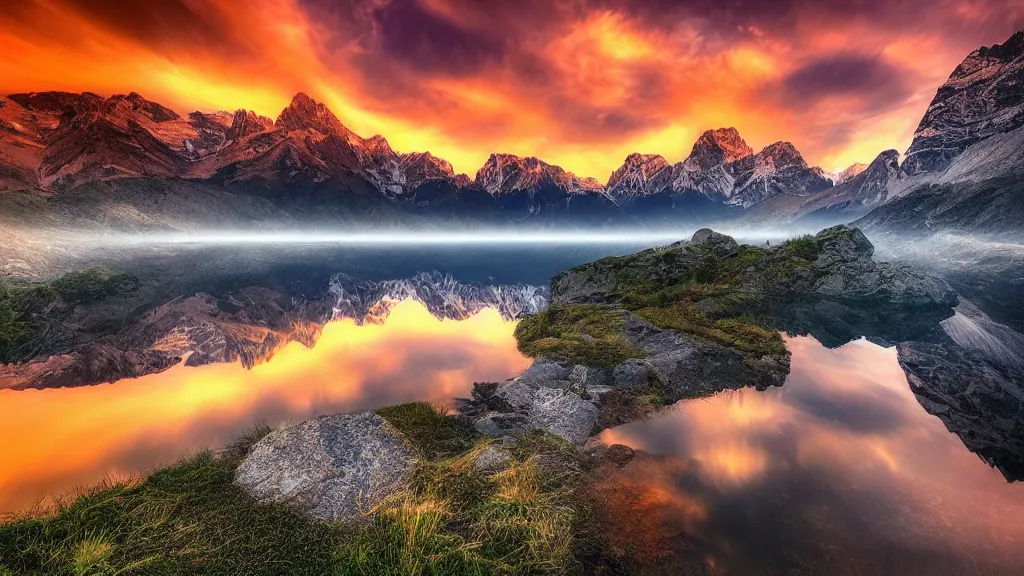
(584, 377)
(559, 411)
(723, 246)
(503, 424)
(631, 373)
(545, 372)
(332, 468)
(563, 414)
(492, 459)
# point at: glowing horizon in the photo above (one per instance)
(578, 84)
(481, 237)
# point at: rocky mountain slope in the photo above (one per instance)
(970, 143)
(85, 148)
(840, 176)
(306, 166)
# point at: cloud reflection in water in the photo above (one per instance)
(62, 438)
(840, 471)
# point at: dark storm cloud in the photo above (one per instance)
(430, 43)
(869, 78)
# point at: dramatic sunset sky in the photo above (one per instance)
(579, 83)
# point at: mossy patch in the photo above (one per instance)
(430, 429)
(590, 334)
(744, 333)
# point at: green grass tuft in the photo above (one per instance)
(582, 333)
(186, 519)
(804, 247)
(430, 429)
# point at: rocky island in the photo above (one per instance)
(501, 485)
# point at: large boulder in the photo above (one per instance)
(333, 468)
(722, 245)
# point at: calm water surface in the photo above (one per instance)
(839, 471)
(58, 439)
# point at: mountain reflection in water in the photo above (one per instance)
(839, 471)
(61, 438)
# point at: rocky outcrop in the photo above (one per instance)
(981, 98)
(522, 406)
(335, 468)
(835, 263)
(246, 123)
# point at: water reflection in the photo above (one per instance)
(74, 436)
(840, 471)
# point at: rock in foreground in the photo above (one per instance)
(332, 468)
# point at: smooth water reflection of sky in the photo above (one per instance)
(839, 470)
(56, 440)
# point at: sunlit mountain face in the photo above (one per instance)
(580, 84)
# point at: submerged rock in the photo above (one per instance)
(332, 468)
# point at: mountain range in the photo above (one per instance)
(129, 163)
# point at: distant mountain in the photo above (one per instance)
(846, 174)
(524, 187)
(721, 177)
(129, 163)
(307, 163)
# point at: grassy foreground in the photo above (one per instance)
(191, 519)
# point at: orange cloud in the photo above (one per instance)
(580, 84)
